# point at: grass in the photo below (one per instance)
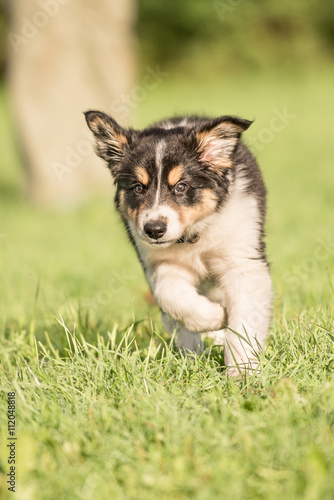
(105, 407)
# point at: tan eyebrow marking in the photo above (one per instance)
(142, 175)
(175, 175)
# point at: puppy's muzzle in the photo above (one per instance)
(155, 229)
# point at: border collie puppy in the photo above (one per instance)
(193, 200)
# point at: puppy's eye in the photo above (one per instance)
(180, 188)
(138, 189)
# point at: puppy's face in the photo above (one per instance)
(169, 177)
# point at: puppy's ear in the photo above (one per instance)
(111, 138)
(217, 140)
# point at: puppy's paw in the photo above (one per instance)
(242, 370)
(210, 317)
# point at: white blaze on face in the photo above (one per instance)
(158, 162)
(161, 212)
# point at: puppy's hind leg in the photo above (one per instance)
(187, 341)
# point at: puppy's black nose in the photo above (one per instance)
(155, 229)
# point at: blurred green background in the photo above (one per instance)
(238, 33)
(124, 416)
(268, 61)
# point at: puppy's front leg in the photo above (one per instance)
(248, 302)
(174, 288)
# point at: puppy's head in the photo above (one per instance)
(171, 176)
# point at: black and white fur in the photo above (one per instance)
(193, 200)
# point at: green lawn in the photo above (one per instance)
(105, 408)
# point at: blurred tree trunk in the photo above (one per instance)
(67, 56)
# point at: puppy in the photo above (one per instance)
(193, 200)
